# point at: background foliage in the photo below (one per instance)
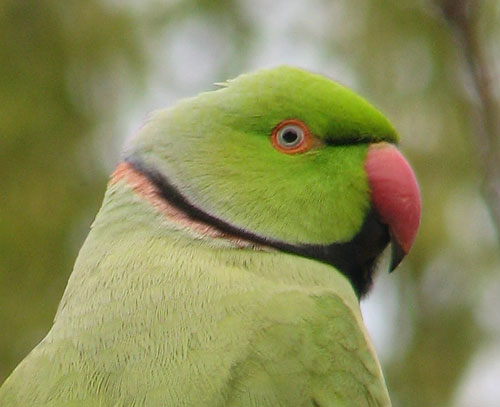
(76, 79)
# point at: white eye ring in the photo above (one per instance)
(290, 136)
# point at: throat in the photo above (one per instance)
(356, 259)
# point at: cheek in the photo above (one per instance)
(336, 188)
(311, 198)
(317, 197)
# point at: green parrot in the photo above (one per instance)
(226, 264)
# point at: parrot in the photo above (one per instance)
(237, 236)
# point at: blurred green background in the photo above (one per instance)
(78, 77)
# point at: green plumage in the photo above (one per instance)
(156, 314)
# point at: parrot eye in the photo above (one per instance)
(291, 137)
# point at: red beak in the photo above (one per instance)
(395, 196)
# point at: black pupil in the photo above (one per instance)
(290, 136)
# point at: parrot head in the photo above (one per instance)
(286, 160)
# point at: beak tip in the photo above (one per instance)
(397, 255)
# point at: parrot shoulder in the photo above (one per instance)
(310, 350)
(32, 383)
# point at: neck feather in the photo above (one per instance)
(143, 187)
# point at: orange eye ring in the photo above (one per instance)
(292, 136)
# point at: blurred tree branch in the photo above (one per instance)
(463, 17)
